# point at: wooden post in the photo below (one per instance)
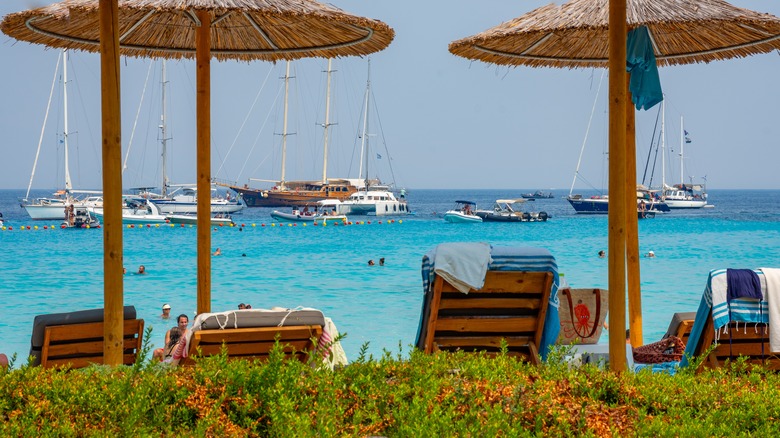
(632, 230)
(113, 315)
(617, 185)
(203, 116)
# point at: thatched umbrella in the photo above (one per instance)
(592, 33)
(246, 30)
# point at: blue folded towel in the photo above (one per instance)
(743, 283)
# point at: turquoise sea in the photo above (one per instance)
(54, 270)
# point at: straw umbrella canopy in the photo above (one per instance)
(245, 30)
(592, 33)
(268, 30)
(575, 34)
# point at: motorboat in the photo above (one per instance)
(296, 215)
(464, 212)
(185, 200)
(80, 217)
(376, 200)
(136, 213)
(509, 210)
(327, 207)
(192, 219)
(538, 195)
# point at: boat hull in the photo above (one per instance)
(193, 219)
(679, 204)
(458, 217)
(292, 198)
(134, 218)
(176, 207)
(292, 217)
(601, 206)
(45, 212)
(489, 216)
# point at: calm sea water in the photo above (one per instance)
(46, 271)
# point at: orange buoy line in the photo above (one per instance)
(216, 227)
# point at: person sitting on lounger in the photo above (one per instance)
(172, 339)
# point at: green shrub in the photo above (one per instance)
(412, 394)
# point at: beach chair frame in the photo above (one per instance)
(255, 343)
(81, 344)
(509, 309)
(750, 341)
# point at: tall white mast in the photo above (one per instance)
(364, 139)
(326, 126)
(68, 184)
(682, 145)
(284, 129)
(663, 146)
(164, 134)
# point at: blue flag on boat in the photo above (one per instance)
(687, 138)
(645, 84)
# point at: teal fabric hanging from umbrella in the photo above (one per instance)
(645, 84)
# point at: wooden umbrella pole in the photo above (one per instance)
(203, 80)
(113, 317)
(632, 230)
(617, 185)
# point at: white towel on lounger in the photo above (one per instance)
(772, 296)
(463, 264)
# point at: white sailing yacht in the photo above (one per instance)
(684, 195)
(374, 198)
(54, 208)
(184, 198)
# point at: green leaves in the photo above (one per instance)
(413, 394)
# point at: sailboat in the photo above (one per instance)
(183, 199)
(648, 203)
(684, 195)
(374, 198)
(56, 207)
(299, 193)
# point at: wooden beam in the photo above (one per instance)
(112, 183)
(617, 185)
(203, 116)
(632, 230)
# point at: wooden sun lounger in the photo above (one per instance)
(255, 343)
(681, 325)
(510, 307)
(747, 341)
(79, 345)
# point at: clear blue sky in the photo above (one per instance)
(446, 122)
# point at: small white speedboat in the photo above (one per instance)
(464, 212)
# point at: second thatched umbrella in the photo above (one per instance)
(246, 30)
(592, 33)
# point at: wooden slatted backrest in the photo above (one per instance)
(297, 341)
(684, 330)
(681, 325)
(751, 341)
(78, 345)
(511, 306)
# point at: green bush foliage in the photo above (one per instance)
(397, 394)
